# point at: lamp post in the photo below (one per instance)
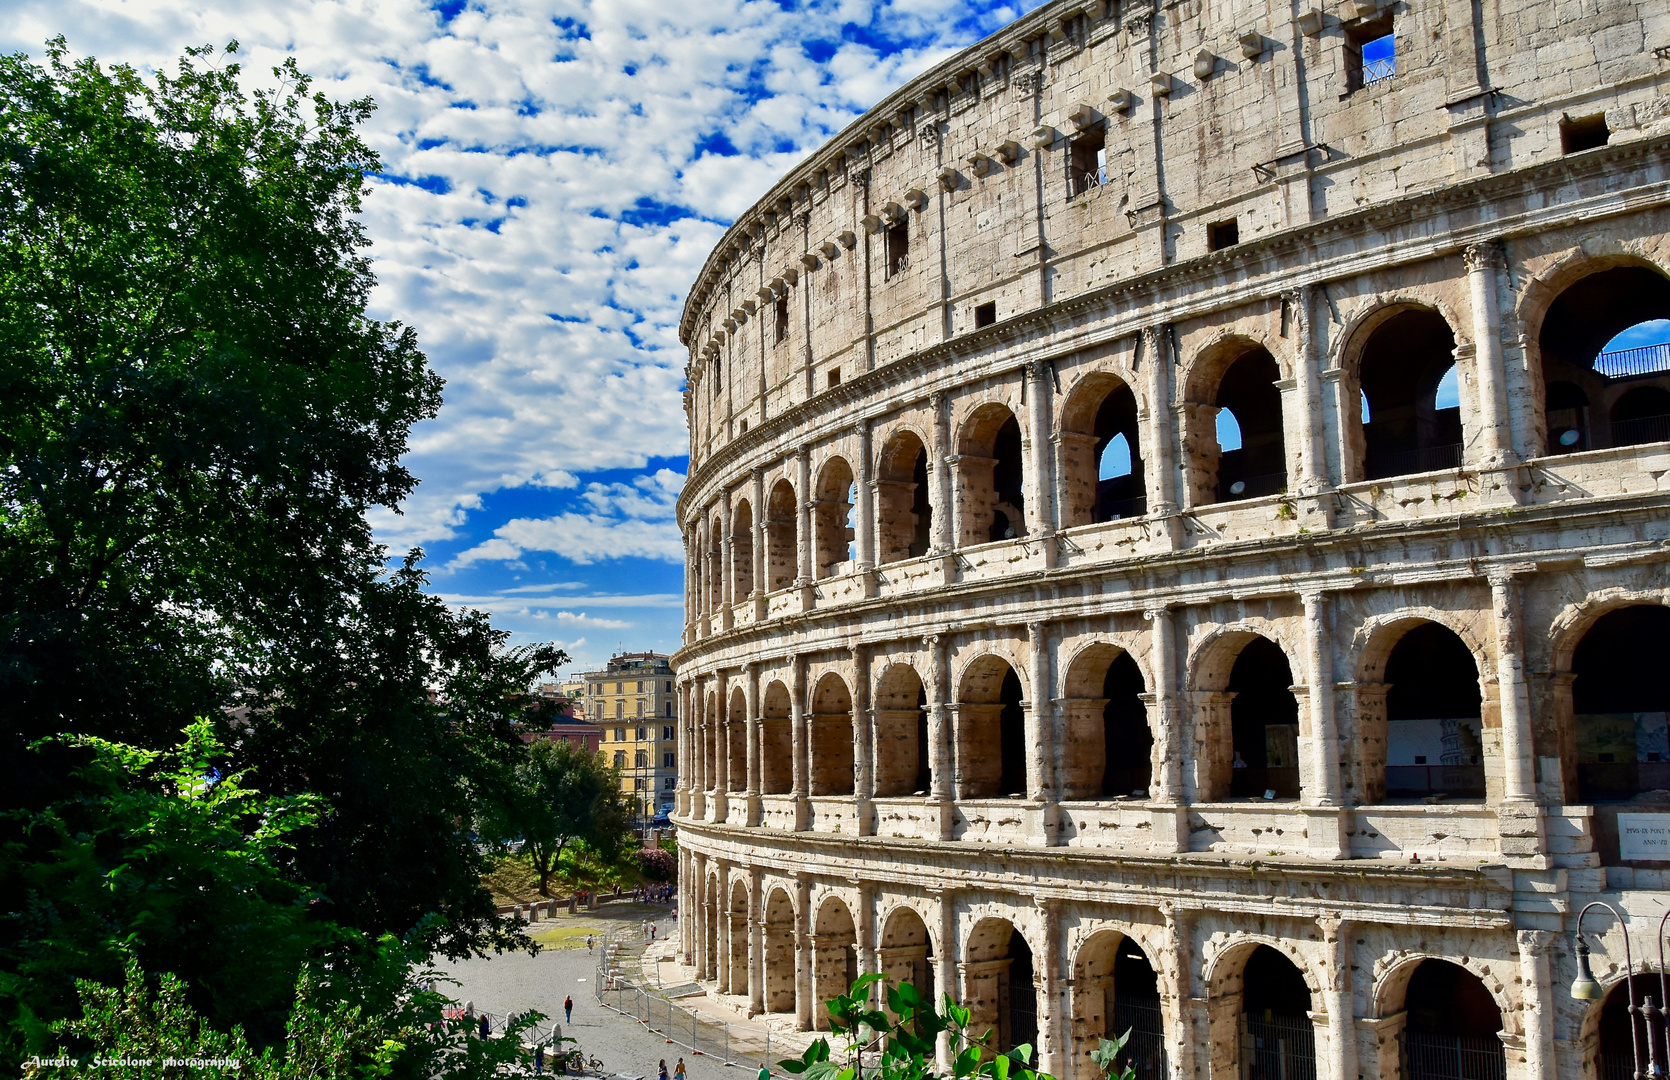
(1586, 988)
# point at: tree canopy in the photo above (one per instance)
(562, 794)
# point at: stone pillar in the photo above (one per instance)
(866, 943)
(1040, 738)
(1323, 743)
(802, 953)
(762, 565)
(1040, 389)
(864, 514)
(800, 744)
(945, 977)
(1342, 1024)
(863, 742)
(1049, 985)
(721, 749)
(939, 734)
(1168, 815)
(944, 470)
(699, 908)
(1538, 1002)
(803, 530)
(727, 575)
(1314, 506)
(1180, 1038)
(1160, 465)
(727, 928)
(1495, 440)
(756, 942)
(751, 688)
(1519, 822)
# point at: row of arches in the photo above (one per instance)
(1407, 416)
(1420, 717)
(1263, 1011)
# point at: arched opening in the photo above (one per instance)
(1247, 458)
(829, 732)
(991, 505)
(736, 932)
(776, 741)
(906, 954)
(1434, 735)
(1101, 455)
(902, 765)
(1604, 336)
(1115, 990)
(777, 936)
(1615, 1047)
(1278, 1039)
(999, 989)
(1411, 419)
(736, 742)
(1453, 1028)
(742, 552)
(716, 566)
(1264, 723)
(1620, 695)
(990, 732)
(833, 518)
(834, 957)
(712, 737)
(904, 516)
(780, 549)
(1108, 751)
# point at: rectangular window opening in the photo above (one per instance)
(898, 248)
(1087, 162)
(1580, 133)
(834, 376)
(1223, 234)
(1370, 53)
(985, 314)
(782, 318)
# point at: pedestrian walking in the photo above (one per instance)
(663, 1074)
(486, 1028)
(568, 1009)
(588, 943)
(678, 1070)
(765, 1073)
(652, 931)
(539, 1061)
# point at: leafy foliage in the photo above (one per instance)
(904, 1037)
(1106, 1058)
(657, 865)
(560, 794)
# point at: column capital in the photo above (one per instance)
(1534, 942)
(1297, 295)
(1484, 255)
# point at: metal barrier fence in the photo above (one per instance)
(1453, 1057)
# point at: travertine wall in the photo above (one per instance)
(1438, 205)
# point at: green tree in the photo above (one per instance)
(563, 795)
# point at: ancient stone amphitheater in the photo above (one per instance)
(1178, 543)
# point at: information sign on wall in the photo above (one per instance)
(1644, 837)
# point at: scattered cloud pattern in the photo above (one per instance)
(555, 173)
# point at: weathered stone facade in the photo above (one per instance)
(1007, 671)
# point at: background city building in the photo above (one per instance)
(634, 704)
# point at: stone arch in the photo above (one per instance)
(710, 916)
(776, 740)
(903, 751)
(736, 741)
(834, 955)
(1609, 693)
(1398, 354)
(777, 940)
(781, 550)
(1115, 989)
(736, 936)
(832, 526)
(1000, 979)
(1108, 740)
(991, 500)
(990, 740)
(904, 511)
(712, 736)
(1239, 374)
(1242, 678)
(716, 564)
(1261, 998)
(1392, 975)
(1100, 409)
(906, 952)
(829, 736)
(1603, 1027)
(742, 551)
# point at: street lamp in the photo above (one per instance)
(1586, 988)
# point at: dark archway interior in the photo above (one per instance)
(1579, 324)
(1012, 738)
(1641, 403)
(1130, 743)
(1405, 359)
(1248, 391)
(924, 749)
(1271, 986)
(1121, 496)
(1136, 1009)
(1434, 741)
(1619, 697)
(1264, 722)
(1453, 1030)
(921, 506)
(1009, 509)
(1022, 1004)
(1616, 1050)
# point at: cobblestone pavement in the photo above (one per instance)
(516, 982)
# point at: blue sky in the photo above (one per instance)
(555, 174)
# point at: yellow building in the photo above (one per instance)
(634, 703)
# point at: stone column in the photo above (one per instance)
(727, 928)
(945, 509)
(945, 977)
(721, 749)
(864, 514)
(751, 688)
(1040, 738)
(1495, 440)
(866, 943)
(1050, 987)
(863, 742)
(939, 734)
(1040, 387)
(802, 953)
(1323, 744)
(1313, 504)
(1160, 466)
(1514, 697)
(699, 908)
(727, 575)
(762, 567)
(800, 744)
(1180, 1039)
(1342, 1024)
(803, 530)
(756, 943)
(1538, 1010)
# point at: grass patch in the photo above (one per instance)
(513, 881)
(564, 937)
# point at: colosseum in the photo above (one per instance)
(1178, 542)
